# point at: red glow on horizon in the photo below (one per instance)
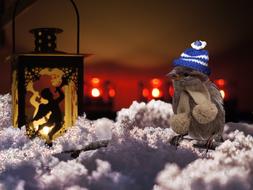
(171, 91)
(145, 92)
(220, 82)
(156, 82)
(95, 81)
(112, 93)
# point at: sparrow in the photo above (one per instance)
(197, 103)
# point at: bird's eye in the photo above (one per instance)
(186, 74)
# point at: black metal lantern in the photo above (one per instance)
(47, 85)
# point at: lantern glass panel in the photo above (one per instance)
(46, 93)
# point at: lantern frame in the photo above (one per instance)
(27, 68)
(14, 26)
(30, 61)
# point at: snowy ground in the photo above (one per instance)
(137, 157)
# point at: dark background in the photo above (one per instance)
(134, 40)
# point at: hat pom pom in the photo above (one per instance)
(180, 123)
(198, 44)
(205, 113)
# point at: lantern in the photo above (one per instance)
(47, 85)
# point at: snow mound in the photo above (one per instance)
(103, 129)
(152, 114)
(138, 156)
(81, 134)
(12, 138)
(244, 127)
(230, 166)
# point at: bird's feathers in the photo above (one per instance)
(185, 78)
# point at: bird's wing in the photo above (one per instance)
(175, 101)
(215, 93)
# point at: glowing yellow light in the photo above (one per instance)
(223, 94)
(36, 127)
(95, 92)
(45, 130)
(156, 93)
(95, 80)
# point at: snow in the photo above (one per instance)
(154, 114)
(103, 129)
(229, 167)
(138, 156)
(5, 110)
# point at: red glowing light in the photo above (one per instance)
(95, 81)
(112, 93)
(156, 93)
(220, 82)
(171, 91)
(156, 82)
(145, 92)
(95, 92)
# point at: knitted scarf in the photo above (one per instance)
(199, 94)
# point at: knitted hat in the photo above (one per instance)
(195, 58)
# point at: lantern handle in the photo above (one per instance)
(14, 29)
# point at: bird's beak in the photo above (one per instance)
(173, 75)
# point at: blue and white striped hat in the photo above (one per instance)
(195, 58)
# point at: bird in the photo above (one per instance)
(197, 103)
